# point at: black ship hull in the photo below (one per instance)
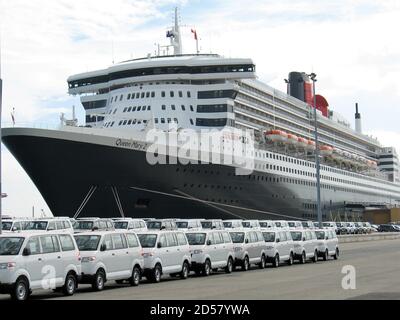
(122, 182)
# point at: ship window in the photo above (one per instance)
(115, 110)
(133, 109)
(171, 94)
(173, 107)
(120, 123)
(163, 94)
(191, 121)
(129, 122)
(134, 121)
(125, 109)
(129, 96)
(153, 94)
(183, 108)
(142, 95)
(129, 109)
(125, 122)
(112, 98)
(133, 96)
(169, 120)
(188, 94)
(162, 120)
(148, 108)
(180, 94)
(139, 108)
(137, 95)
(121, 97)
(163, 107)
(191, 108)
(144, 108)
(175, 120)
(156, 120)
(112, 124)
(147, 94)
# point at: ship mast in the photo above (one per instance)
(176, 39)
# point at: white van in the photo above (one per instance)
(50, 224)
(295, 225)
(165, 252)
(216, 224)
(134, 225)
(38, 260)
(233, 224)
(254, 224)
(281, 224)
(279, 246)
(328, 244)
(305, 245)
(211, 250)
(110, 255)
(93, 224)
(188, 224)
(266, 224)
(249, 247)
(13, 224)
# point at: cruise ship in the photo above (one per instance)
(102, 168)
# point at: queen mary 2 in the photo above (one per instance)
(102, 168)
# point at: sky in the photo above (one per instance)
(350, 44)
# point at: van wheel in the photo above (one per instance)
(245, 264)
(315, 257)
(303, 258)
(229, 266)
(275, 263)
(290, 261)
(262, 262)
(336, 256)
(20, 291)
(156, 274)
(206, 268)
(70, 285)
(326, 254)
(99, 280)
(185, 271)
(135, 278)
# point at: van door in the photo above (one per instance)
(121, 255)
(108, 256)
(34, 263)
(53, 273)
(175, 257)
(69, 253)
(212, 250)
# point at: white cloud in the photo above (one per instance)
(350, 44)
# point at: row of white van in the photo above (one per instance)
(60, 260)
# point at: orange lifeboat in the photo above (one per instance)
(293, 139)
(310, 144)
(325, 150)
(277, 135)
(302, 142)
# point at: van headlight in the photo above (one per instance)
(197, 251)
(88, 259)
(7, 265)
(270, 247)
(238, 249)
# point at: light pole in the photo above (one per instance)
(313, 77)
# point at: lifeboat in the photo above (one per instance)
(277, 135)
(292, 139)
(310, 144)
(301, 142)
(326, 150)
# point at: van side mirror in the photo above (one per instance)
(162, 228)
(278, 240)
(246, 241)
(103, 247)
(304, 239)
(26, 252)
(14, 229)
(209, 242)
(95, 228)
(326, 238)
(159, 245)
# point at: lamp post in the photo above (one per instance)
(313, 77)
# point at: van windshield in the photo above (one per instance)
(326, 224)
(206, 224)
(121, 225)
(154, 225)
(147, 240)
(87, 242)
(228, 224)
(246, 224)
(320, 235)
(291, 224)
(182, 224)
(10, 246)
(296, 236)
(237, 237)
(6, 226)
(264, 224)
(83, 225)
(36, 225)
(196, 239)
(269, 236)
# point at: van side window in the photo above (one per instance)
(48, 244)
(181, 239)
(108, 242)
(132, 240)
(60, 225)
(119, 242)
(211, 238)
(67, 244)
(163, 240)
(34, 245)
(218, 238)
(171, 240)
(260, 237)
(51, 226)
(227, 237)
(283, 236)
(66, 225)
(289, 236)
